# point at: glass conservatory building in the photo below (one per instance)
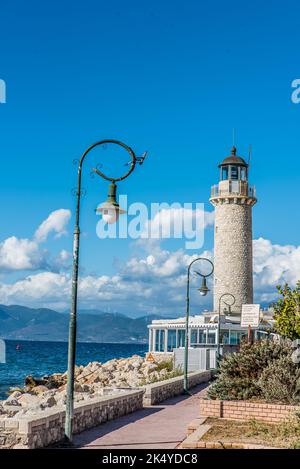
(167, 334)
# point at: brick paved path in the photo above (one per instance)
(159, 426)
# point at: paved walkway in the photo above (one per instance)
(160, 426)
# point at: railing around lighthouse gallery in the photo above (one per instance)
(233, 188)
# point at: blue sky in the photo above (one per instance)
(172, 78)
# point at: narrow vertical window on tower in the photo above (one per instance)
(234, 173)
(225, 173)
(243, 174)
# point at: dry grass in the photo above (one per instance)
(284, 435)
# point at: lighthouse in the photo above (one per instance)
(233, 199)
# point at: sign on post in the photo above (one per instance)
(250, 315)
(150, 358)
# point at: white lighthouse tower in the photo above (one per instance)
(233, 199)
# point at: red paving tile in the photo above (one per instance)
(157, 427)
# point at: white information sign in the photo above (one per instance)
(250, 315)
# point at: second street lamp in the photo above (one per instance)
(203, 290)
(110, 211)
(219, 317)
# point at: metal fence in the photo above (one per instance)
(199, 358)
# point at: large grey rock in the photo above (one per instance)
(49, 402)
(2, 409)
(28, 400)
(14, 395)
(39, 389)
(11, 402)
(92, 380)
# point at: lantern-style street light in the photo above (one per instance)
(110, 212)
(219, 316)
(203, 290)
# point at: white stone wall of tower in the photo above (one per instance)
(233, 258)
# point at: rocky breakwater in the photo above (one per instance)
(93, 380)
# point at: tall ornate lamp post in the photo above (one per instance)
(110, 211)
(219, 316)
(203, 292)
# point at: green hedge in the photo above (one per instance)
(263, 370)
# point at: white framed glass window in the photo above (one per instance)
(224, 337)
(194, 336)
(202, 336)
(211, 336)
(159, 340)
(181, 338)
(171, 339)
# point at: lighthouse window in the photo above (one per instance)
(243, 174)
(225, 173)
(234, 172)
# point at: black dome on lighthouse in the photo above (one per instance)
(233, 159)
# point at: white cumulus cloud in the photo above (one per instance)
(274, 264)
(26, 254)
(20, 254)
(56, 222)
(151, 283)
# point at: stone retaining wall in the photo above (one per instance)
(48, 427)
(246, 410)
(158, 392)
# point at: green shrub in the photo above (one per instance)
(155, 379)
(290, 429)
(280, 381)
(172, 374)
(245, 374)
(165, 365)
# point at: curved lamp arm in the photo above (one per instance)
(121, 178)
(227, 294)
(202, 259)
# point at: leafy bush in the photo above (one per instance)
(280, 381)
(165, 365)
(290, 429)
(263, 370)
(287, 311)
(157, 379)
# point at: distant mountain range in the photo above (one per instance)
(22, 323)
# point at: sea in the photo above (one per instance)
(43, 358)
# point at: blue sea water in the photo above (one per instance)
(43, 358)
